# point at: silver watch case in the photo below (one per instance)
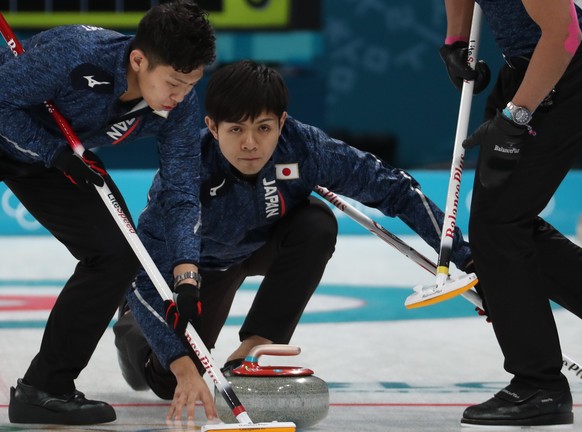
(519, 115)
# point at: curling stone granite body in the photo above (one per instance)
(303, 400)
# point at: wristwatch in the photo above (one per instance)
(187, 275)
(519, 115)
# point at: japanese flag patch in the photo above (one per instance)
(287, 171)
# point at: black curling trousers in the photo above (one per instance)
(522, 261)
(292, 262)
(107, 265)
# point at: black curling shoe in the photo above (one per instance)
(29, 405)
(517, 406)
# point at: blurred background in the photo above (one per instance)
(365, 71)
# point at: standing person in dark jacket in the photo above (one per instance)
(259, 167)
(529, 141)
(112, 88)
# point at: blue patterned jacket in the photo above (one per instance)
(237, 215)
(515, 32)
(82, 70)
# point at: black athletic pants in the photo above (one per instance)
(523, 262)
(107, 265)
(292, 263)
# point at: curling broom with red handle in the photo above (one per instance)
(146, 261)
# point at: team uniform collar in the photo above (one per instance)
(121, 64)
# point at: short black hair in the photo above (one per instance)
(243, 90)
(176, 34)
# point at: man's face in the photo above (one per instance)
(162, 87)
(248, 145)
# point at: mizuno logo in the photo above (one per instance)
(214, 189)
(92, 83)
(91, 28)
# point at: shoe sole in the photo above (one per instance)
(30, 414)
(549, 421)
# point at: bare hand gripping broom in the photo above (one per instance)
(146, 261)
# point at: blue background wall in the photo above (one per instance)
(384, 76)
(372, 73)
(563, 211)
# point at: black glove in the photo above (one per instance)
(84, 172)
(501, 140)
(455, 58)
(185, 307)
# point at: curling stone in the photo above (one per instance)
(276, 393)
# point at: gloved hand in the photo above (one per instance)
(455, 58)
(84, 172)
(186, 306)
(501, 140)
